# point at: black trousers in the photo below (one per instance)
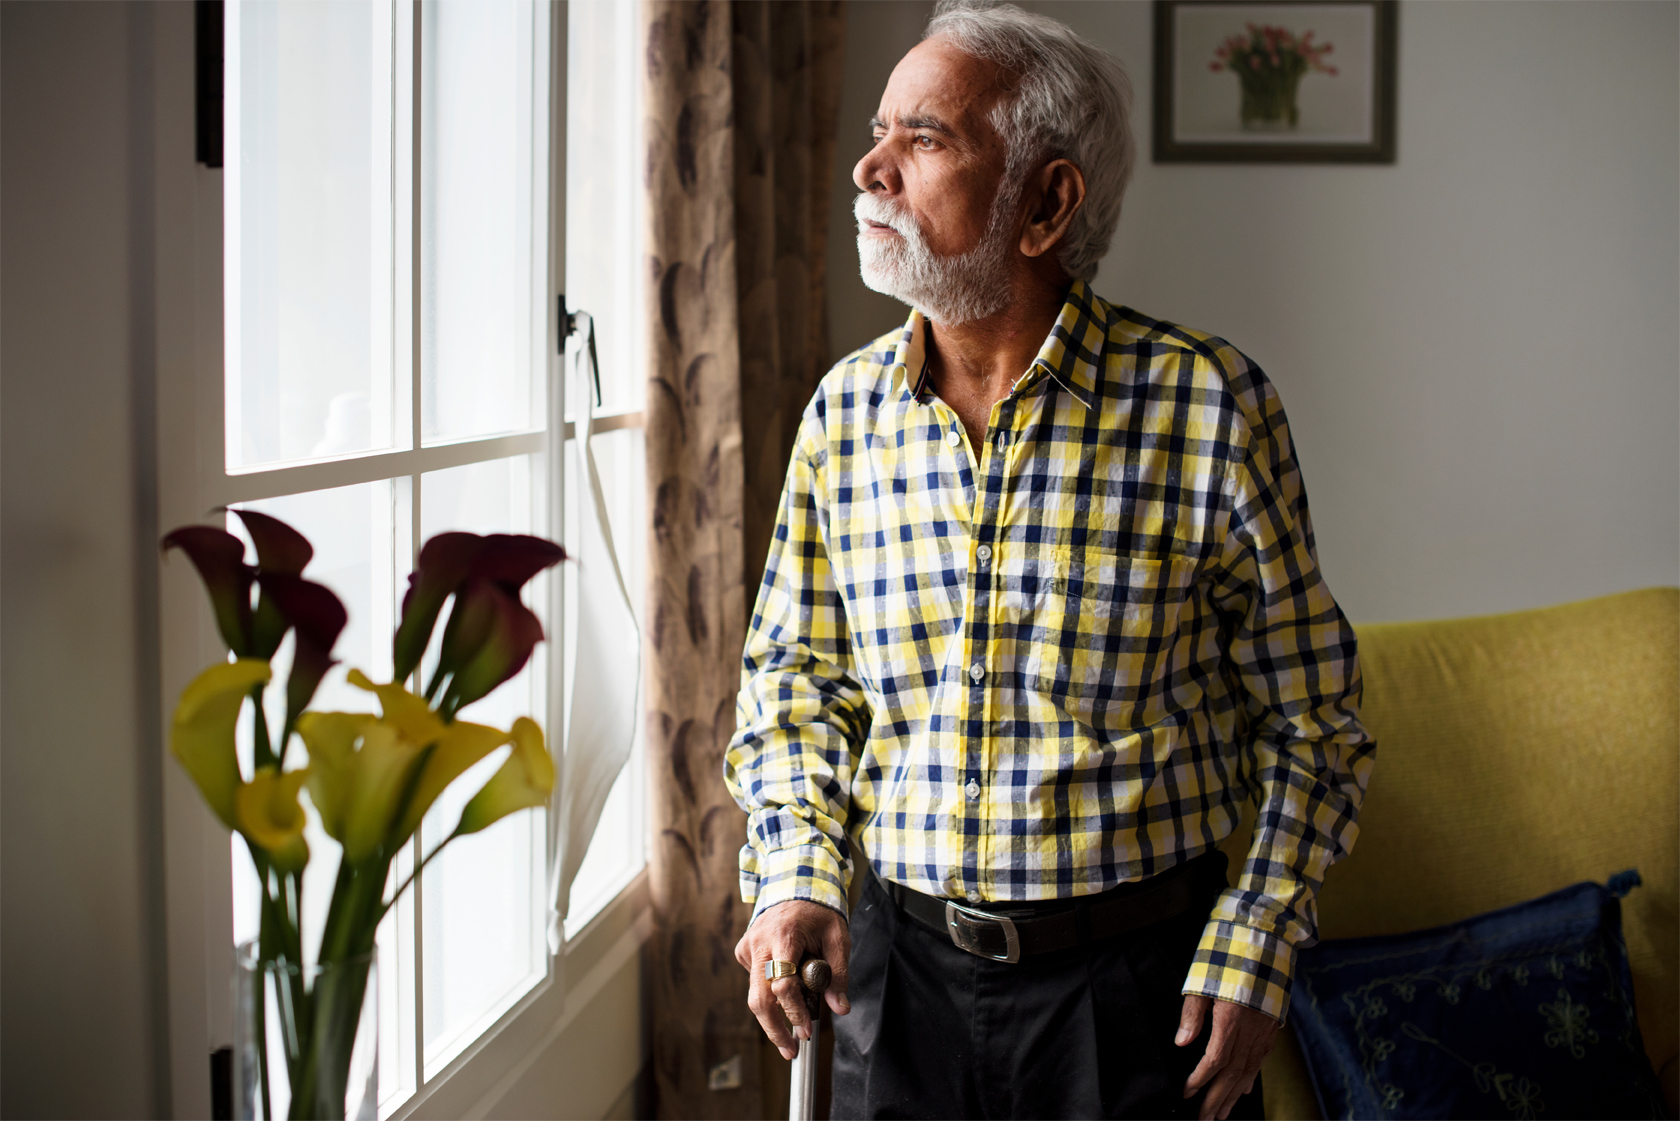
(935, 1031)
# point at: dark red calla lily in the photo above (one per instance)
(485, 575)
(440, 570)
(472, 620)
(219, 557)
(281, 551)
(511, 559)
(506, 648)
(318, 618)
(280, 548)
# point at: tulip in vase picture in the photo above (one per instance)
(1269, 63)
(1277, 83)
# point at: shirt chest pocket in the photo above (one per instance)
(1119, 590)
(1095, 629)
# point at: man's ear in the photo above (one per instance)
(1061, 192)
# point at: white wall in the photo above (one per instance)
(80, 918)
(1477, 345)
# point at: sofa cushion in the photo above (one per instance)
(1522, 1012)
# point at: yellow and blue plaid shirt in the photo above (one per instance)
(1058, 661)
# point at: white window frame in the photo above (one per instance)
(192, 479)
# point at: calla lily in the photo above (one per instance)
(280, 548)
(455, 747)
(281, 551)
(526, 779)
(219, 557)
(364, 788)
(462, 744)
(202, 736)
(443, 564)
(267, 812)
(511, 559)
(318, 617)
(411, 715)
(384, 770)
(330, 738)
(359, 768)
(512, 634)
(470, 567)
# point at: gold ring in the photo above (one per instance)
(775, 969)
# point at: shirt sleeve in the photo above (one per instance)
(1292, 658)
(801, 716)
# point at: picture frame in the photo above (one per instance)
(1258, 81)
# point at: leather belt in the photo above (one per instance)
(1014, 931)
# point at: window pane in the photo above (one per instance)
(308, 230)
(482, 902)
(481, 237)
(603, 146)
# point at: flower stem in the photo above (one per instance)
(262, 752)
(414, 875)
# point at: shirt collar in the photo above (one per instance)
(910, 365)
(1070, 354)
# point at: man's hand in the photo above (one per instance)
(787, 932)
(1242, 1038)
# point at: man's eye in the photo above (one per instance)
(924, 142)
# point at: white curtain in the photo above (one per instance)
(606, 683)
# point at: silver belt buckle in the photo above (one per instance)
(966, 924)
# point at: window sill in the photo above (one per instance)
(481, 1076)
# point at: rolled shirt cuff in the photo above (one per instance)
(810, 872)
(1244, 966)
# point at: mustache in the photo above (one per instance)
(884, 212)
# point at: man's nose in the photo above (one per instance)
(875, 173)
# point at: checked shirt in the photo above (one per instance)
(1059, 660)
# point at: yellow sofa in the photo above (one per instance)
(1517, 754)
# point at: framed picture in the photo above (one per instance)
(1238, 81)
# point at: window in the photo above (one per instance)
(395, 243)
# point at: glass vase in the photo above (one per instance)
(1269, 102)
(306, 1038)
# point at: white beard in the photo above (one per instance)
(949, 290)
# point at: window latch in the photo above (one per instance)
(569, 326)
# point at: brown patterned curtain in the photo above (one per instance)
(741, 98)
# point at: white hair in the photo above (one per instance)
(1073, 102)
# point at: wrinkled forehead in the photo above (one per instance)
(938, 85)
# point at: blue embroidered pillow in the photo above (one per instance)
(1521, 1013)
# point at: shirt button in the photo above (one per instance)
(984, 552)
(974, 897)
(976, 672)
(953, 437)
(972, 790)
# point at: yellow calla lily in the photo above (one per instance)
(267, 812)
(356, 788)
(457, 746)
(384, 768)
(330, 738)
(202, 736)
(411, 715)
(461, 745)
(525, 780)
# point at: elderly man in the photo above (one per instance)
(1042, 611)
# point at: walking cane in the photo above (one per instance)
(814, 976)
